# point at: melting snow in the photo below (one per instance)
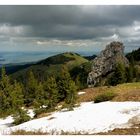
(88, 118)
(81, 92)
(4, 123)
(31, 113)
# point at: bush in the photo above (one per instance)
(104, 97)
(21, 117)
(119, 75)
(68, 107)
(39, 111)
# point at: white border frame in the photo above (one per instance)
(69, 2)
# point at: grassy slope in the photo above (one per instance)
(51, 66)
(63, 58)
(125, 92)
(78, 60)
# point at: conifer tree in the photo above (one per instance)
(10, 94)
(17, 95)
(21, 116)
(5, 89)
(67, 88)
(130, 73)
(51, 89)
(71, 94)
(63, 81)
(41, 98)
(137, 74)
(120, 73)
(31, 89)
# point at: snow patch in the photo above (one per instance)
(31, 113)
(81, 92)
(5, 123)
(88, 118)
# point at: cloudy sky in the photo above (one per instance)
(68, 28)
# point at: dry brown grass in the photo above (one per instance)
(91, 93)
(23, 132)
(133, 95)
(125, 92)
(43, 115)
(122, 131)
(53, 132)
(116, 131)
(134, 122)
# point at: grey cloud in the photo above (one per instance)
(73, 22)
(99, 24)
(90, 15)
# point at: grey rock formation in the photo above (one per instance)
(106, 61)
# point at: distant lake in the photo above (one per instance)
(26, 57)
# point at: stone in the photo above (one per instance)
(106, 61)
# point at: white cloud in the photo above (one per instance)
(8, 30)
(67, 43)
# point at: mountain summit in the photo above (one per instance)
(106, 62)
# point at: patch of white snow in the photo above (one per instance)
(31, 113)
(5, 123)
(88, 118)
(81, 92)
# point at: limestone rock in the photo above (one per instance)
(106, 61)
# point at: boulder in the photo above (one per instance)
(106, 61)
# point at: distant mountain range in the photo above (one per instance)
(52, 66)
(78, 66)
(2, 59)
(14, 67)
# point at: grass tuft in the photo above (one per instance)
(104, 97)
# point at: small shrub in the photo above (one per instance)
(68, 107)
(104, 97)
(39, 111)
(21, 117)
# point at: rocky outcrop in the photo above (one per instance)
(106, 61)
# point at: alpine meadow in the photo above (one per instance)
(69, 70)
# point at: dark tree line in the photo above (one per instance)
(14, 95)
(124, 74)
